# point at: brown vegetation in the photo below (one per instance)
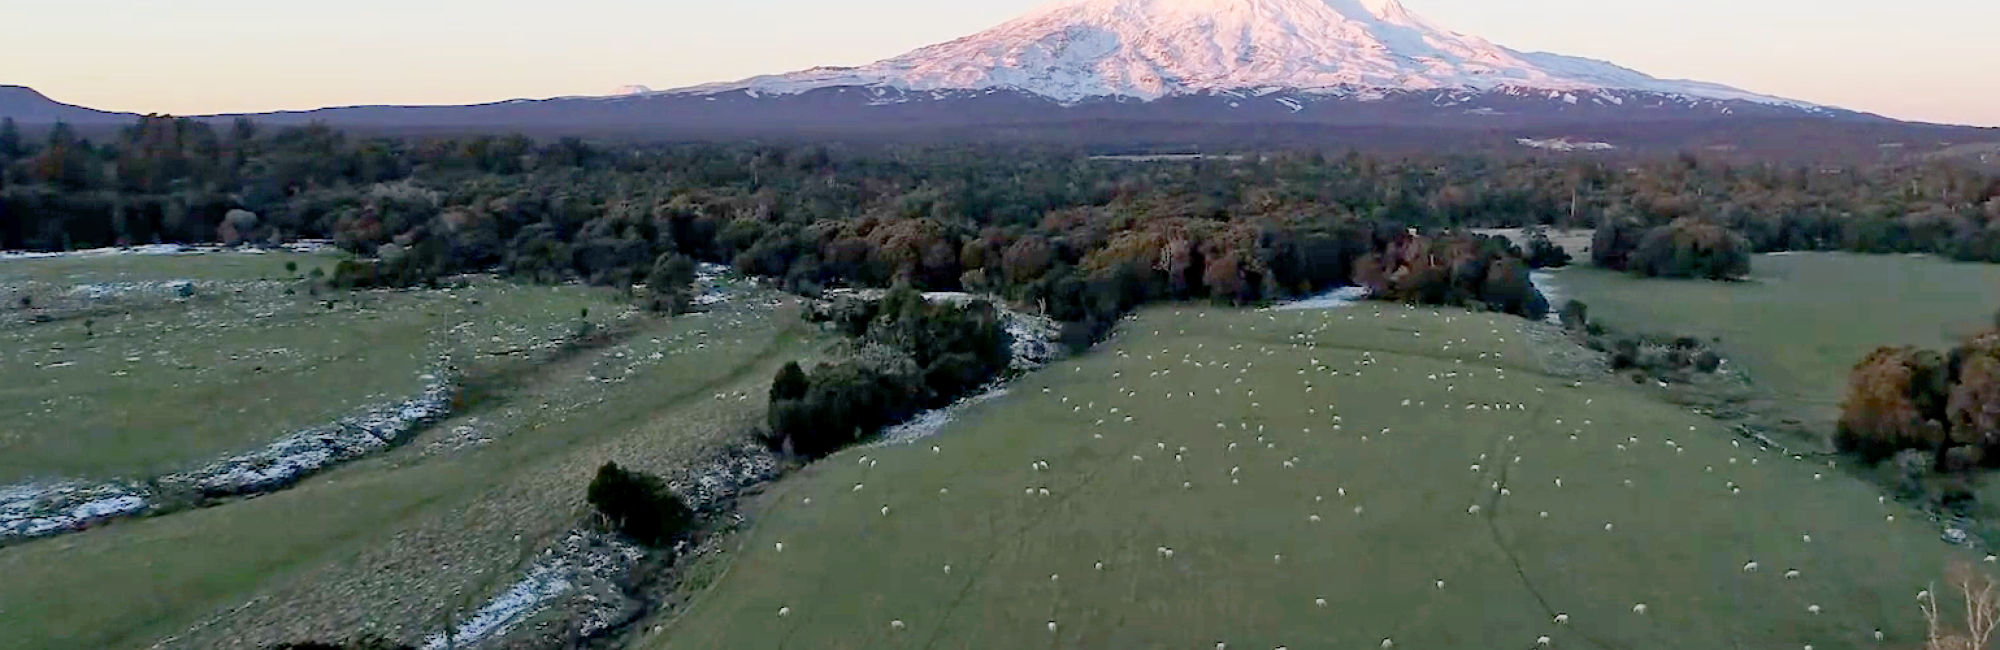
(1945, 405)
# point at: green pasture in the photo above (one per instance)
(1315, 475)
(141, 381)
(1803, 320)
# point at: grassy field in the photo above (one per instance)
(1805, 319)
(132, 380)
(392, 543)
(1326, 479)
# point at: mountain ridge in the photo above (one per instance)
(1147, 49)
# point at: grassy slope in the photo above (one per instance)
(167, 384)
(1679, 542)
(1808, 318)
(387, 544)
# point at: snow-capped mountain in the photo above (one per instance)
(627, 91)
(1077, 50)
(1175, 75)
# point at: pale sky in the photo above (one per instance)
(1930, 60)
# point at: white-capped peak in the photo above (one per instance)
(1074, 50)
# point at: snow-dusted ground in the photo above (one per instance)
(1032, 338)
(294, 456)
(543, 583)
(33, 510)
(1334, 299)
(595, 563)
(300, 246)
(928, 423)
(1564, 144)
(39, 509)
(1545, 282)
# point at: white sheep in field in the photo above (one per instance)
(1639, 608)
(1562, 619)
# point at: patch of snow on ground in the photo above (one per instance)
(35, 510)
(300, 246)
(1565, 144)
(1334, 299)
(544, 582)
(292, 457)
(929, 422)
(1545, 282)
(712, 485)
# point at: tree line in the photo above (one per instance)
(1081, 238)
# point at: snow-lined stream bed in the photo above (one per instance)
(39, 509)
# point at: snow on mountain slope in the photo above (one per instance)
(1074, 50)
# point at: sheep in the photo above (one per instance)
(1639, 609)
(896, 624)
(784, 612)
(781, 547)
(1562, 619)
(1750, 567)
(1792, 574)
(1812, 609)
(1052, 626)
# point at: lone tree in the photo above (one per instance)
(670, 283)
(639, 505)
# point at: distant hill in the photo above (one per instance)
(29, 107)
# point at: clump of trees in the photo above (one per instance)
(1543, 253)
(639, 505)
(670, 284)
(1456, 269)
(910, 355)
(1685, 248)
(1945, 405)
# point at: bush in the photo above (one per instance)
(1881, 414)
(1543, 253)
(639, 505)
(911, 355)
(1575, 316)
(1691, 248)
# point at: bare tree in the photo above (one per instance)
(1982, 611)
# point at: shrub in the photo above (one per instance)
(639, 505)
(1575, 315)
(1543, 253)
(912, 354)
(1691, 248)
(1880, 415)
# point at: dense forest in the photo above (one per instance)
(1079, 237)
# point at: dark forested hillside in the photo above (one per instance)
(1084, 237)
